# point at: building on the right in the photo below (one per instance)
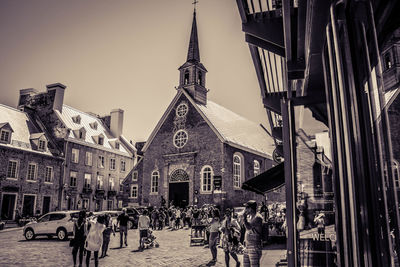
(320, 62)
(390, 57)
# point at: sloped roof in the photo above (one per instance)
(230, 127)
(36, 135)
(237, 130)
(86, 119)
(22, 127)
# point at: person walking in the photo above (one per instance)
(122, 220)
(230, 241)
(215, 224)
(253, 224)
(143, 226)
(79, 237)
(106, 235)
(94, 240)
(264, 211)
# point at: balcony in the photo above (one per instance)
(87, 190)
(100, 191)
(111, 193)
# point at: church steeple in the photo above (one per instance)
(193, 52)
(193, 73)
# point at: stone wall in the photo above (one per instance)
(20, 186)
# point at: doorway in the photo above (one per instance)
(8, 207)
(46, 205)
(28, 208)
(179, 194)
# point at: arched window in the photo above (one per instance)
(155, 175)
(237, 170)
(206, 179)
(388, 61)
(200, 78)
(256, 167)
(186, 77)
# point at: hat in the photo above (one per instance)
(251, 204)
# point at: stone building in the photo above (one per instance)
(97, 157)
(201, 152)
(30, 166)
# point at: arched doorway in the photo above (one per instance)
(179, 188)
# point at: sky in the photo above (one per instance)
(125, 54)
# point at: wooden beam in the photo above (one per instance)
(276, 49)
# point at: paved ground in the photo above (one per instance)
(174, 250)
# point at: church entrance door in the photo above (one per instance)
(179, 188)
(179, 194)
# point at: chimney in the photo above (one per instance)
(58, 90)
(25, 95)
(116, 122)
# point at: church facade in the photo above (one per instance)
(200, 152)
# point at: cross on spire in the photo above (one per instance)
(194, 4)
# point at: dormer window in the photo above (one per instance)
(80, 133)
(99, 139)
(93, 125)
(5, 136)
(116, 145)
(76, 119)
(42, 145)
(39, 141)
(5, 133)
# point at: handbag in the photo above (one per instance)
(72, 242)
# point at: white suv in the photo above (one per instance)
(58, 223)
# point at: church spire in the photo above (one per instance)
(193, 52)
(193, 73)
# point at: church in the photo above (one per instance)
(199, 152)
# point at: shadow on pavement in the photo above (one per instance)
(44, 239)
(274, 246)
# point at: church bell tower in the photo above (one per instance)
(193, 73)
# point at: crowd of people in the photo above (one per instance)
(234, 233)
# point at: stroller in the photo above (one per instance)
(149, 241)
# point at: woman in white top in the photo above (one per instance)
(94, 239)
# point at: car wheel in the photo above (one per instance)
(130, 225)
(62, 234)
(29, 234)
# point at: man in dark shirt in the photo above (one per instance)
(122, 220)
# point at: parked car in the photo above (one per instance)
(56, 223)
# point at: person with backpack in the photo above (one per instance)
(79, 237)
(253, 243)
(231, 235)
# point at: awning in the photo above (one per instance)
(266, 181)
